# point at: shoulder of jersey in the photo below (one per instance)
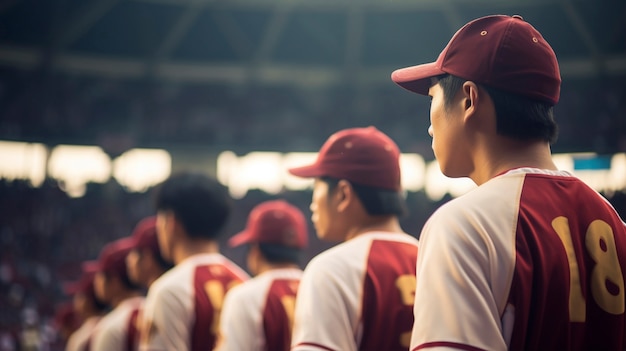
(169, 280)
(336, 257)
(249, 287)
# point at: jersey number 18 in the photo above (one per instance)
(600, 244)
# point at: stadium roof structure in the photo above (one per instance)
(307, 42)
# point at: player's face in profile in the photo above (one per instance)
(162, 234)
(322, 212)
(132, 265)
(444, 129)
(99, 282)
(80, 302)
(319, 208)
(252, 259)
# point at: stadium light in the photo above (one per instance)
(23, 161)
(139, 169)
(75, 166)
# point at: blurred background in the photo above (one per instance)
(102, 99)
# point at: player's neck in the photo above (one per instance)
(511, 154)
(192, 247)
(124, 296)
(368, 224)
(152, 279)
(266, 266)
(91, 314)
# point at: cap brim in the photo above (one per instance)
(90, 267)
(71, 288)
(311, 171)
(417, 78)
(239, 239)
(132, 242)
(125, 243)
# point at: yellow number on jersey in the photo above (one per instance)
(606, 268)
(289, 304)
(577, 310)
(215, 291)
(406, 284)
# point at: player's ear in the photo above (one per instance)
(176, 227)
(165, 221)
(471, 96)
(345, 194)
(252, 258)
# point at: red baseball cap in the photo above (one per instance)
(85, 283)
(112, 257)
(144, 235)
(274, 222)
(65, 316)
(364, 156)
(503, 52)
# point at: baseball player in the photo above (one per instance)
(532, 259)
(357, 295)
(258, 314)
(117, 330)
(183, 305)
(89, 308)
(145, 262)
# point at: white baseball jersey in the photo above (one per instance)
(530, 260)
(358, 295)
(183, 306)
(258, 314)
(117, 330)
(79, 340)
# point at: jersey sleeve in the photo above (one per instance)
(239, 322)
(322, 320)
(454, 304)
(164, 327)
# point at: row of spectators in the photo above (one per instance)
(119, 114)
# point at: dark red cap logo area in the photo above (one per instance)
(364, 156)
(274, 222)
(503, 52)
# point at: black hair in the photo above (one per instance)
(98, 305)
(276, 253)
(164, 264)
(199, 202)
(124, 279)
(158, 258)
(517, 116)
(376, 201)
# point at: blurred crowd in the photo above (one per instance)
(119, 113)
